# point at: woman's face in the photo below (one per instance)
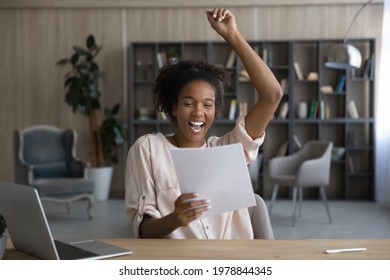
(195, 112)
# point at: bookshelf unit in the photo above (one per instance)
(353, 172)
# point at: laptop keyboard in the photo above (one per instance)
(68, 252)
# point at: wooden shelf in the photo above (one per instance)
(356, 135)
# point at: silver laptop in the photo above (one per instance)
(29, 230)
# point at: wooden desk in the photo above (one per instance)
(314, 249)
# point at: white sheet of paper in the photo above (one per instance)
(216, 173)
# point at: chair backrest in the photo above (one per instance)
(319, 173)
(48, 149)
(317, 149)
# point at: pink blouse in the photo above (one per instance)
(152, 187)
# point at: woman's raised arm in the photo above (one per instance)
(262, 78)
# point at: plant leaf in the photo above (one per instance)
(74, 59)
(97, 51)
(90, 42)
(115, 109)
(89, 57)
(72, 99)
(63, 62)
(118, 136)
(80, 50)
(70, 80)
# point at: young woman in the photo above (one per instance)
(190, 93)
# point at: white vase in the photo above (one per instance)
(3, 242)
(102, 179)
(302, 110)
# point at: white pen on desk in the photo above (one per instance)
(335, 251)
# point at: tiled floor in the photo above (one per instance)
(352, 219)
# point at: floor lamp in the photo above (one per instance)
(346, 56)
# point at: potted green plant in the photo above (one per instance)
(3, 238)
(173, 55)
(83, 95)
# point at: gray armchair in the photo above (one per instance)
(46, 159)
(309, 167)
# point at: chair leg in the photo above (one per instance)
(300, 194)
(295, 190)
(91, 201)
(323, 195)
(273, 198)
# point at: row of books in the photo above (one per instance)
(368, 68)
(240, 108)
(317, 109)
(284, 109)
(267, 57)
(340, 86)
(311, 76)
(243, 76)
(367, 71)
(322, 110)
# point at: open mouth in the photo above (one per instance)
(197, 126)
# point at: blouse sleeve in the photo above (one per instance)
(239, 135)
(140, 195)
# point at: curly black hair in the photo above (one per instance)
(173, 77)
